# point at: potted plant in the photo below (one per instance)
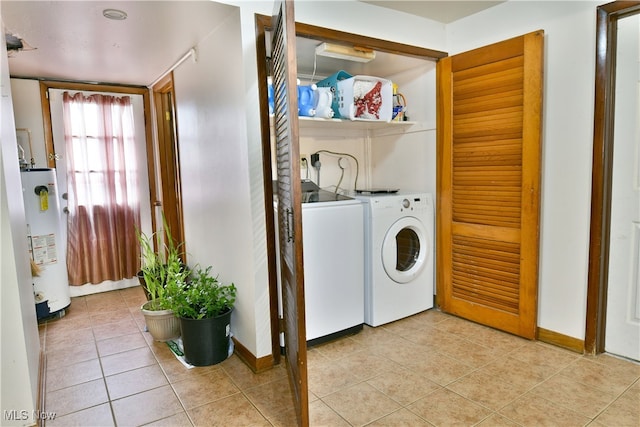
(204, 305)
(158, 269)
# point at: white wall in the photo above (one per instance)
(19, 356)
(28, 113)
(567, 142)
(214, 168)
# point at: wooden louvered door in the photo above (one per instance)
(489, 148)
(284, 71)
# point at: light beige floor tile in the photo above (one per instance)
(339, 348)
(433, 338)
(615, 361)
(104, 301)
(116, 329)
(146, 407)
(361, 404)
(400, 418)
(69, 338)
(68, 324)
(534, 411)
(363, 365)
(127, 360)
(580, 398)
(244, 378)
(438, 368)
(175, 371)
(135, 381)
(431, 317)
(625, 411)
(181, 419)
(497, 420)
(401, 351)
(66, 356)
(284, 418)
(322, 415)
(122, 343)
(271, 398)
(206, 388)
(106, 317)
(482, 335)
(404, 363)
(326, 377)
(521, 375)
(545, 355)
(96, 416)
(76, 398)
(233, 411)
(607, 377)
(133, 293)
(444, 407)
(370, 335)
(486, 390)
(69, 375)
(403, 327)
(403, 386)
(470, 353)
(381, 342)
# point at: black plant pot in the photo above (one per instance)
(206, 341)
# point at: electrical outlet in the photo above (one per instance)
(304, 161)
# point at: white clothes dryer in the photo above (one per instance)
(399, 256)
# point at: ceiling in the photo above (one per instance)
(441, 11)
(73, 41)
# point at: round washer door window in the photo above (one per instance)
(405, 250)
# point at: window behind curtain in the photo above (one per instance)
(103, 190)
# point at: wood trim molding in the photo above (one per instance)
(602, 170)
(42, 387)
(559, 340)
(257, 365)
(329, 35)
(45, 85)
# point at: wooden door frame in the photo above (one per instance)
(169, 193)
(602, 170)
(45, 85)
(262, 25)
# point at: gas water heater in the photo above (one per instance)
(47, 244)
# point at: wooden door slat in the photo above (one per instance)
(488, 183)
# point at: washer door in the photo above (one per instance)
(405, 250)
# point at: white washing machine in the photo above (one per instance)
(399, 256)
(333, 252)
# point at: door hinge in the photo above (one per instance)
(280, 325)
(167, 116)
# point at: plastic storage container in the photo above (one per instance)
(365, 98)
(332, 82)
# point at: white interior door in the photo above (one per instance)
(57, 125)
(623, 299)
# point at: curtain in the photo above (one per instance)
(102, 188)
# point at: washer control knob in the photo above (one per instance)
(406, 203)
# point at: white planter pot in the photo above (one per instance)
(163, 325)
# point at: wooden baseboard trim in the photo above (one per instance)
(564, 341)
(42, 383)
(257, 365)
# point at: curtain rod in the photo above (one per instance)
(192, 52)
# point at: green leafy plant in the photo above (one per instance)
(160, 267)
(202, 297)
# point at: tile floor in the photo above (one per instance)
(429, 369)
